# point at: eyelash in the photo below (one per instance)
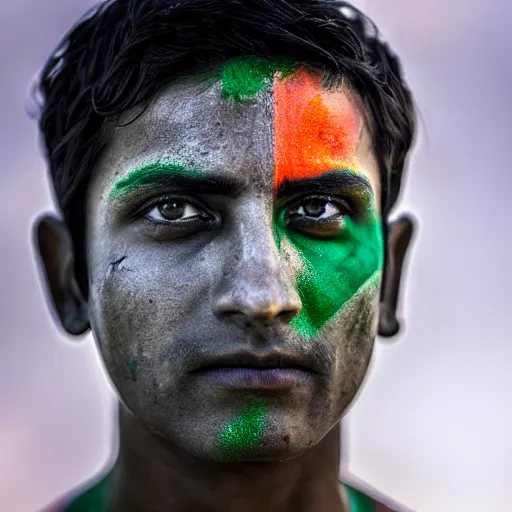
(210, 219)
(145, 208)
(342, 204)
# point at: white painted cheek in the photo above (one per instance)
(291, 257)
(364, 303)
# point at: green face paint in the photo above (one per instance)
(244, 432)
(317, 131)
(244, 77)
(334, 269)
(148, 174)
(133, 370)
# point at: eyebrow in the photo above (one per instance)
(175, 176)
(330, 180)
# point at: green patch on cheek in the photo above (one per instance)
(333, 270)
(244, 432)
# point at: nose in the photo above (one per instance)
(257, 284)
(259, 298)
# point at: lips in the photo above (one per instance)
(272, 371)
(257, 361)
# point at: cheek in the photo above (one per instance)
(334, 271)
(137, 307)
(352, 331)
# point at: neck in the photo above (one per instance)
(151, 474)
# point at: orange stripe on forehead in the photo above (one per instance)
(315, 130)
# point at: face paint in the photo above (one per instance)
(244, 432)
(147, 175)
(133, 370)
(334, 269)
(178, 281)
(244, 77)
(317, 131)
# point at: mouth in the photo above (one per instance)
(248, 370)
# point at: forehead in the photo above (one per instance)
(292, 129)
(191, 125)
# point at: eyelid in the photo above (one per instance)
(147, 205)
(344, 203)
(197, 214)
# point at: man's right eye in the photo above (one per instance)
(173, 217)
(175, 211)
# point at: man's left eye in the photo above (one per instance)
(320, 218)
(173, 211)
(317, 209)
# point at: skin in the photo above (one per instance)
(243, 268)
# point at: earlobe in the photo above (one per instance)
(53, 244)
(399, 236)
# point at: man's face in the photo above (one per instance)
(234, 259)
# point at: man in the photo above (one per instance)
(225, 170)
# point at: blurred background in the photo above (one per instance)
(432, 427)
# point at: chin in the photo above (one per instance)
(272, 451)
(276, 453)
(253, 430)
(280, 441)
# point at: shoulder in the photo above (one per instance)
(90, 497)
(367, 499)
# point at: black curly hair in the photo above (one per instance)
(123, 51)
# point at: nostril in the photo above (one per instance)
(288, 315)
(249, 312)
(235, 317)
(263, 300)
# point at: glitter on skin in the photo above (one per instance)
(244, 432)
(244, 77)
(317, 131)
(138, 177)
(334, 269)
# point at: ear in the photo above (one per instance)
(399, 235)
(53, 243)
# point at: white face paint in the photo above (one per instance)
(184, 269)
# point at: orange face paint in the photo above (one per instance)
(315, 130)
